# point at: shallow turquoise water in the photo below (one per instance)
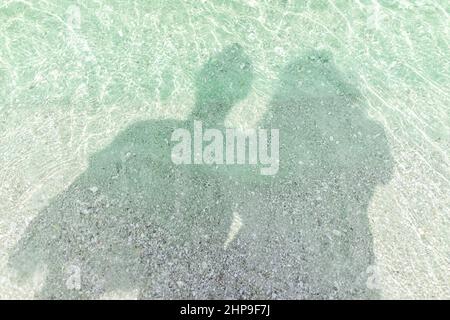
(78, 78)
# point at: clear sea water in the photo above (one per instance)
(360, 208)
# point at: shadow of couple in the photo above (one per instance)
(135, 221)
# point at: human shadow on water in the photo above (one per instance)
(308, 234)
(136, 221)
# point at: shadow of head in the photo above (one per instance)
(323, 121)
(223, 81)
